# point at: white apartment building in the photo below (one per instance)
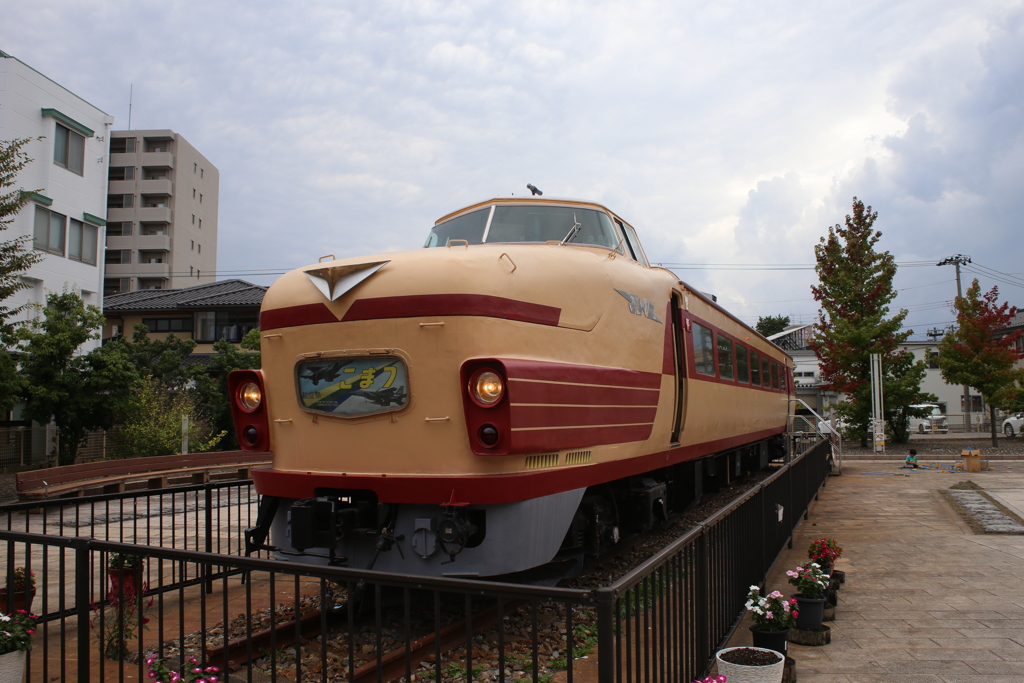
(67, 178)
(161, 211)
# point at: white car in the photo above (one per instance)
(935, 423)
(1012, 425)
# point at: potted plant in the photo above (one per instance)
(825, 551)
(813, 586)
(125, 572)
(19, 592)
(751, 664)
(773, 616)
(117, 622)
(16, 631)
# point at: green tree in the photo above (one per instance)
(211, 382)
(151, 423)
(854, 292)
(78, 392)
(973, 355)
(164, 360)
(771, 324)
(15, 258)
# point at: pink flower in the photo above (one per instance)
(792, 601)
(769, 615)
(795, 614)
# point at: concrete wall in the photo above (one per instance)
(24, 95)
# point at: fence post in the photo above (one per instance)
(82, 605)
(703, 589)
(605, 599)
(208, 569)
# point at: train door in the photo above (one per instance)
(679, 348)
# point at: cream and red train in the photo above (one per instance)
(507, 398)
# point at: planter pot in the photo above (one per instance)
(811, 612)
(771, 640)
(738, 673)
(125, 581)
(12, 667)
(17, 600)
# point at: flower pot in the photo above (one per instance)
(12, 667)
(125, 582)
(17, 600)
(739, 673)
(811, 612)
(771, 640)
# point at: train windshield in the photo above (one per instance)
(526, 223)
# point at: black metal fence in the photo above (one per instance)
(196, 597)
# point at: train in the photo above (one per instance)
(505, 402)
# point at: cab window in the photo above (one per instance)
(469, 227)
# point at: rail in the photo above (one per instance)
(661, 622)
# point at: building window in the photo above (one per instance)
(82, 242)
(933, 359)
(168, 324)
(151, 283)
(156, 174)
(201, 171)
(116, 256)
(120, 201)
(195, 166)
(155, 201)
(199, 248)
(231, 325)
(49, 231)
(200, 197)
(69, 149)
(122, 145)
(200, 223)
(725, 369)
(193, 245)
(193, 219)
(119, 229)
(122, 173)
(154, 228)
(115, 285)
(193, 193)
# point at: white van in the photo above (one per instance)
(935, 423)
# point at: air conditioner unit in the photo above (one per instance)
(116, 331)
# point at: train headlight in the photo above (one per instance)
(250, 396)
(486, 387)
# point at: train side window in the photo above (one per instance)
(725, 366)
(766, 373)
(703, 350)
(742, 368)
(775, 375)
(755, 369)
(633, 242)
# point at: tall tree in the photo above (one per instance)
(972, 354)
(78, 392)
(771, 324)
(854, 291)
(15, 258)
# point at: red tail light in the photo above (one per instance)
(249, 409)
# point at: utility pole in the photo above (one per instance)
(959, 260)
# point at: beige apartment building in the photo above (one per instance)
(161, 213)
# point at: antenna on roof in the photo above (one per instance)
(533, 189)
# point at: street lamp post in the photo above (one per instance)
(959, 260)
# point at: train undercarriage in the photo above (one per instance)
(539, 540)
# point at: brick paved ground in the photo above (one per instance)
(925, 598)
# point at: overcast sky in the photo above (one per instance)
(731, 134)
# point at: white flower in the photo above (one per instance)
(754, 588)
(4, 617)
(748, 604)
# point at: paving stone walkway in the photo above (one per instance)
(926, 599)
